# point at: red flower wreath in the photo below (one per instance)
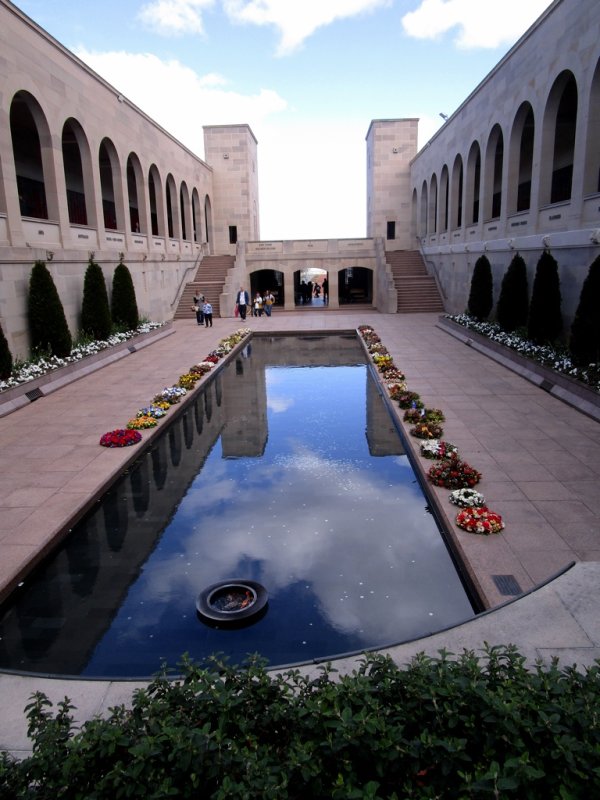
(120, 438)
(479, 520)
(452, 473)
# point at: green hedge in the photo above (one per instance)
(124, 308)
(441, 727)
(95, 310)
(481, 294)
(47, 322)
(6, 359)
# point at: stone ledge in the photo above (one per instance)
(570, 391)
(17, 397)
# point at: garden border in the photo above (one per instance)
(568, 390)
(29, 391)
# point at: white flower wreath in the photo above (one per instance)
(467, 498)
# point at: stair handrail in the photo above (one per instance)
(432, 269)
(183, 280)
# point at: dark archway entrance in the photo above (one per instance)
(264, 280)
(355, 285)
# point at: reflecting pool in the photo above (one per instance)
(287, 470)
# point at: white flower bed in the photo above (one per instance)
(31, 370)
(542, 354)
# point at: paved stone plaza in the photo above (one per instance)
(539, 458)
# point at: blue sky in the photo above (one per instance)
(308, 76)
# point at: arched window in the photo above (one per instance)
(433, 205)
(444, 196)
(155, 196)
(72, 140)
(109, 174)
(520, 160)
(196, 224)
(591, 174)
(456, 203)
(473, 185)
(208, 218)
(558, 140)
(25, 114)
(423, 222)
(494, 162)
(135, 193)
(172, 208)
(184, 205)
(564, 144)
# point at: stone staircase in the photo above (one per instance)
(209, 281)
(417, 291)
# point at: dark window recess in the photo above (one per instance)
(391, 230)
(233, 234)
(561, 184)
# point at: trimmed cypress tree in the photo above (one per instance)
(513, 303)
(481, 296)
(95, 310)
(48, 327)
(123, 303)
(545, 318)
(584, 342)
(6, 359)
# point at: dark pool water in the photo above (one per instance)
(287, 470)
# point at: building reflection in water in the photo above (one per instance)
(308, 491)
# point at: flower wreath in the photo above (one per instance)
(427, 430)
(467, 498)
(156, 411)
(438, 449)
(396, 389)
(409, 400)
(120, 438)
(140, 423)
(479, 520)
(188, 380)
(452, 473)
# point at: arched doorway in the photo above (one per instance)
(264, 280)
(311, 287)
(355, 285)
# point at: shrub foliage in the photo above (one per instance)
(481, 295)
(463, 727)
(48, 327)
(124, 304)
(513, 303)
(584, 343)
(545, 317)
(95, 310)
(6, 359)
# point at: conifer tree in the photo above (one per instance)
(123, 303)
(95, 310)
(6, 359)
(48, 327)
(545, 317)
(513, 303)
(584, 342)
(481, 296)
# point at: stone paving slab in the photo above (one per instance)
(539, 458)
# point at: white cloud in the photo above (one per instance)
(174, 17)
(477, 23)
(295, 21)
(178, 98)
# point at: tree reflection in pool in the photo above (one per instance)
(287, 470)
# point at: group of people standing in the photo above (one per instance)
(204, 310)
(260, 303)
